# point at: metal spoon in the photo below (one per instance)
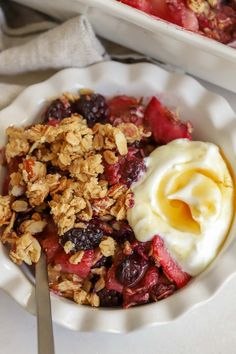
(43, 304)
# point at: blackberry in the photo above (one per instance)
(127, 170)
(93, 108)
(83, 239)
(57, 110)
(131, 170)
(110, 298)
(131, 270)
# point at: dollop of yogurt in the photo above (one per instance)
(186, 196)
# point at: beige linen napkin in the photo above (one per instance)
(30, 41)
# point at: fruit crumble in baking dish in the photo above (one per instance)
(214, 19)
(126, 206)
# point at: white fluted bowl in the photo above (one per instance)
(213, 121)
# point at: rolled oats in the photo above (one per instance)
(117, 190)
(98, 142)
(54, 273)
(121, 142)
(102, 206)
(76, 258)
(86, 91)
(87, 286)
(97, 256)
(5, 210)
(99, 285)
(32, 226)
(8, 235)
(37, 191)
(70, 96)
(133, 133)
(107, 246)
(93, 299)
(119, 210)
(99, 271)
(67, 285)
(110, 157)
(87, 213)
(27, 250)
(80, 296)
(68, 247)
(33, 170)
(17, 143)
(85, 168)
(19, 205)
(17, 185)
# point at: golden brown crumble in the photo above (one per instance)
(107, 246)
(76, 258)
(27, 249)
(74, 148)
(60, 171)
(5, 210)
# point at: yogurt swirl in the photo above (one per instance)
(187, 197)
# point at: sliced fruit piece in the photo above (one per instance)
(49, 241)
(125, 109)
(161, 9)
(174, 11)
(51, 246)
(189, 20)
(171, 269)
(82, 269)
(141, 292)
(111, 281)
(135, 299)
(143, 5)
(164, 124)
(182, 16)
(163, 289)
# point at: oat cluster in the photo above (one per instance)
(61, 172)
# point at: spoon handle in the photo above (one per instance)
(44, 316)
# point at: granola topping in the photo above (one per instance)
(27, 249)
(5, 210)
(69, 192)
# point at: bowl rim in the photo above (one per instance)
(82, 318)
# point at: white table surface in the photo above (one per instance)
(209, 329)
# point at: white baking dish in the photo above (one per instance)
(202, 57)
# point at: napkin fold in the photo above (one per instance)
(72, 43)
(31, 41)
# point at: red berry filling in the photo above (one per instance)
(164, 124)
(127, 170)
(214, 20)
(171, 269)
(125, 109)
